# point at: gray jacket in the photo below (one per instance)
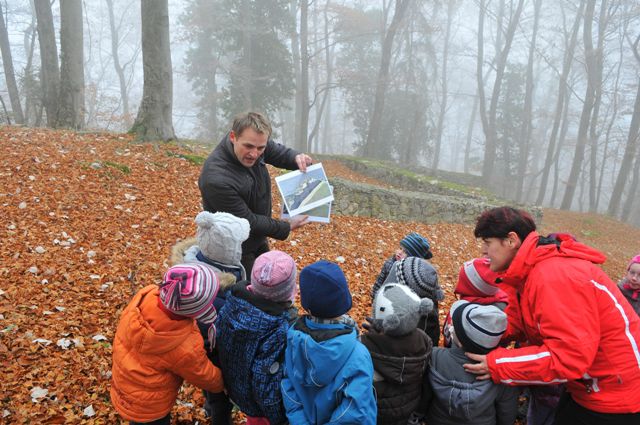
(458, 398)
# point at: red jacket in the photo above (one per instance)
(152, 354)
(579, 328)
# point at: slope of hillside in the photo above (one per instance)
(89, 219)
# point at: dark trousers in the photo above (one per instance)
(571, 413)
(248, 258)
(162, 421)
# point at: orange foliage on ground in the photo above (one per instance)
(88, 219)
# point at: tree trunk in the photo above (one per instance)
(49, 59)
(71, 100)
(154, 120)
(597, 100)
(326, 127)
(469, 137)
(586, 108)
(373, 142)
(304, 77)
(633, 191)
(115, 41)
(491, 134)
(525, 137)
(560, 102)
(561, 139)
(631, 149)
(445, 77)
(295, 56)
(9, 74)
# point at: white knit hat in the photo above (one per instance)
(220, 236)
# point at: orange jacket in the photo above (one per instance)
(152, 354)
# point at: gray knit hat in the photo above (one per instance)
(398, 309)
(479, 328)
(418, 275)
(220, 236)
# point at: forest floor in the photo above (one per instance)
(89, 218)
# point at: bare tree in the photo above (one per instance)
(154, 121)
(49, 59)
(71, 100)
(561, 101)
(373, 134)
(115, 41)
(9, 74)
(489, 117)
(443, 84)
(301, 143)
(587, 107)
(631, 148)
(525, 136)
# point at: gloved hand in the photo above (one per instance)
(372, 325)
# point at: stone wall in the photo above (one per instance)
(359, 199)
(420, 198)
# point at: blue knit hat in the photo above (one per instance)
(416, 246)
(324, 291)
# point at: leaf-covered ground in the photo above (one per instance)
(88, 219)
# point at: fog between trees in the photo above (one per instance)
(539, 98)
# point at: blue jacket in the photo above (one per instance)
(252, 333)
(328, 376)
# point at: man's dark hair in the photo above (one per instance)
(498, 222)
(254, 120)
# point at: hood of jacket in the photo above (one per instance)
(152, 331)
(536, 248)
(399, 360)
(325, 351)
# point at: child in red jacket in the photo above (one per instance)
(157, 344)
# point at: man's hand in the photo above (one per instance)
(303, 160)
(298, 221)
(481, 368)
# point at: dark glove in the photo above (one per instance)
(372, 325)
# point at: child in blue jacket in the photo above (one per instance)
(253, 325)
(328, 372)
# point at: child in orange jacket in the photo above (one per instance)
(157, 344)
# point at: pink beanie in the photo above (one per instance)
(274, 276)
(634, 260)
(476, 279)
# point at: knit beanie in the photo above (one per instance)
(324, 291)
(274, 276)
(479, 328)
(189, 290)
(399, 309)
(220, 236)
(476, 279)
(418, 275)
(633, 261)
(416, 245)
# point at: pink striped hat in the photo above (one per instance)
(189, 290)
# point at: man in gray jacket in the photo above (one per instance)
(235, 179)
(456, 396)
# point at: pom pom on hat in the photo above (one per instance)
(220, 236)
(476, 279)
(416, 245)
(399, 309)
(479, 328)
(274, 276)
(324, 291)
